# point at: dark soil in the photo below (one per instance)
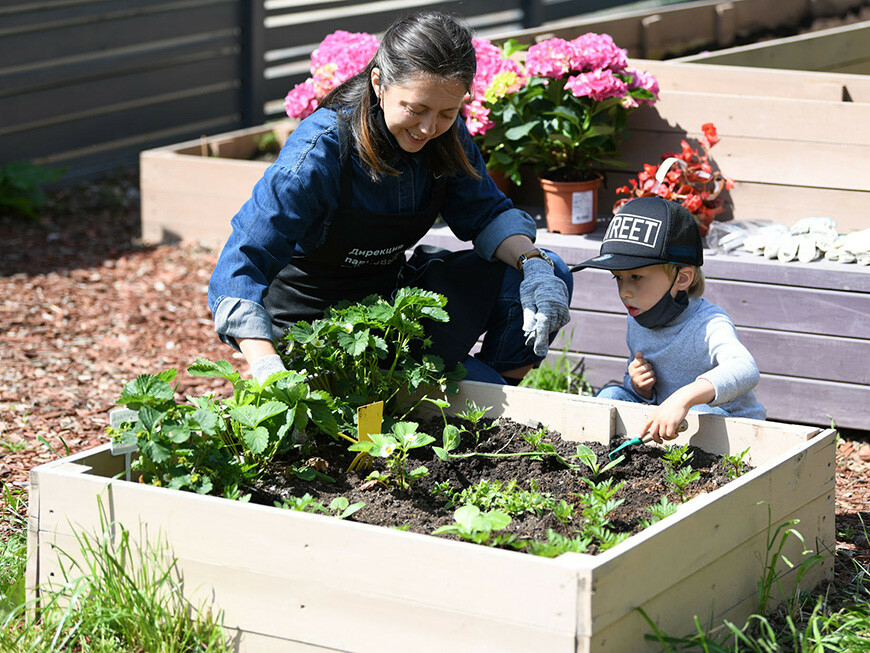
(420, 510)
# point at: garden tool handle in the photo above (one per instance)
(684, 425)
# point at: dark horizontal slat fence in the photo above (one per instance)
(87, 84)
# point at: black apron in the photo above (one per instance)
(363, 253)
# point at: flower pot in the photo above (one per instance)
(571, 206)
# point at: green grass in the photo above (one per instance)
(116, 599)
(560, 376)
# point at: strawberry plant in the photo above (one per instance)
(209, 445)
(373, 350)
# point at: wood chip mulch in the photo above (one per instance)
(85, 307)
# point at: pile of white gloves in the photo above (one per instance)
(807, 240)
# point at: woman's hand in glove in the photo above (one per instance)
(544, 298)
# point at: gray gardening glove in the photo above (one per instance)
(266, 366)
(544, 298)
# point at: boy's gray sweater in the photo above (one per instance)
(700, 343)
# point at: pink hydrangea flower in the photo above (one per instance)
(301, 101)
(551, 58)
(645, 81)
(597, 85)
(598, 51)
(495, 77)
(340, 56)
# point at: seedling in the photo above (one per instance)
(588, 458)
(679, 479)
(736, 466)
(475, 415)
(506, 497)
(659, 511)
(394, 447)
(598, 503)
(339, 507)
(557, 544)
(475, 526)
(676, 456)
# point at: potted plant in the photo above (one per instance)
(686, 177)
(566, 119)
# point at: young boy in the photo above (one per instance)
(684, 350)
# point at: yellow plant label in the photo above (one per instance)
(369, 419)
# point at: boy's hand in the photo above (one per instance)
(665, 421)
(643, 376)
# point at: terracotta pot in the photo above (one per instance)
(571, 206)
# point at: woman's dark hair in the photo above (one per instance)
(430, 43)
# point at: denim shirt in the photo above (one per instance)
(291, 206)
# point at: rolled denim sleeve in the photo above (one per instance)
(242, 319)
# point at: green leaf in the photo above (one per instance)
(177, 433)
(205, 420)
(204, 367)
(253, 416)
(150, 417)
(256, 439)
(586, 456)
(146, 389)
(466, 515)
(156, 451)
(451, 437)
(517, 133)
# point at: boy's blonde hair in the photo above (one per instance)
(697, 287)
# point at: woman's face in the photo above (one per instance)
(420, 109)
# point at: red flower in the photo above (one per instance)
(710, 137)
(691, 181)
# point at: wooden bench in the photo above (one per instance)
(805, 324)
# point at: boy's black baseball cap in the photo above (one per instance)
(648, 231)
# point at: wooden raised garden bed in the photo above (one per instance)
(296, 581)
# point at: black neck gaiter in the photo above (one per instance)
(665, 310)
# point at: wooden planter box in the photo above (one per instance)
(296, 581)
(840, 50)
(805, 324)
(191, 190)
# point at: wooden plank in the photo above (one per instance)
(38, 108)
(154, 114)
(784, 353)
(703, 77)
(823, 50)
(158, 54)
(722, 583)
(789, 308)
(310, 567)
(784, 486)
(742, 116)
(172, 189)
(116, 32)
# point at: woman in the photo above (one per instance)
(358, 183)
